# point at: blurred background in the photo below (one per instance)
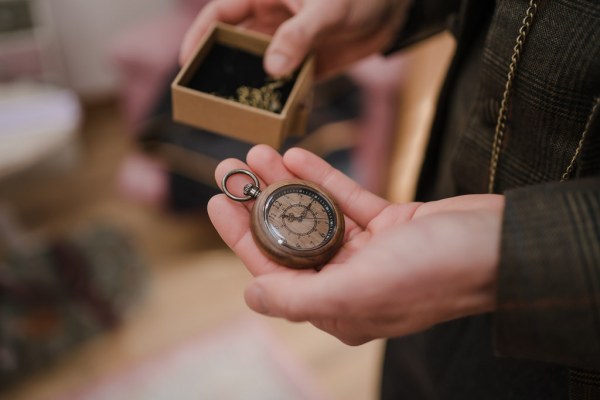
(113, 283)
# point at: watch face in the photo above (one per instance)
(300, 218)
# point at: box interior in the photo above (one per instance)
(226, 67)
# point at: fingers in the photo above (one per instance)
(268, 164)
(307, 295)
(462, 203)
(232, 222)
(285, 295)
(232, 219)
(269, 167)
(228, 11)
(297, 36)
(292, 41)
(357, 203)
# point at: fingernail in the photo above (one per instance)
(277, 64)
(255, 298)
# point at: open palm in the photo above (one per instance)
(402, 268)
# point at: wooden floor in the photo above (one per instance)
(196, 284)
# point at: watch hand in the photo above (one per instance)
(305, 212)
(290, 217)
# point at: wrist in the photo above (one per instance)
(483, 297)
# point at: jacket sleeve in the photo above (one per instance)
(425, 19)
(549, 274)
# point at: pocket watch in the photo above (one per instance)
(294, 222)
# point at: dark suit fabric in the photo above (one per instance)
(543, 342)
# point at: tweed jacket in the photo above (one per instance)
(549, 273)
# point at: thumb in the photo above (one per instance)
(296, 37)
(294, 295)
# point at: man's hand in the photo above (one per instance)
(339, 31)
(402, 268)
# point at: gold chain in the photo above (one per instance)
(512, 70)
(588, 125)
(267, 97)
(502, 113)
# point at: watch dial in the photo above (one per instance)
(300, 218)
